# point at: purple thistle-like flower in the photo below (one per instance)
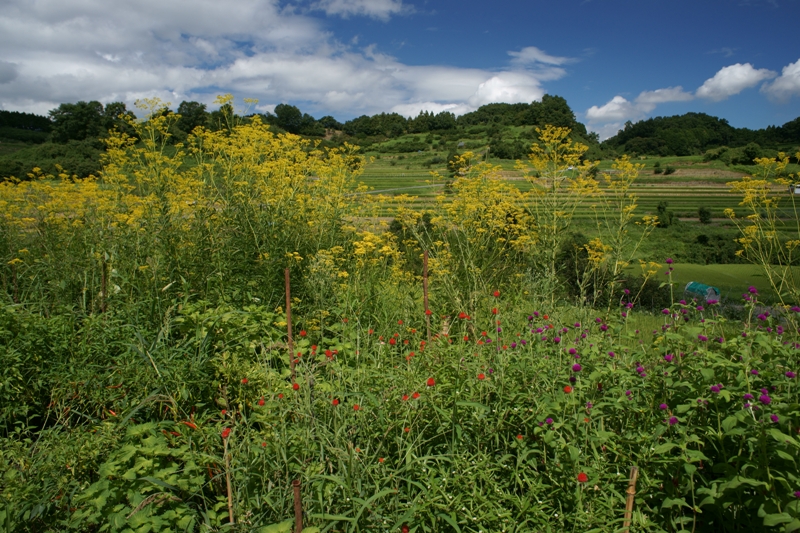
(774, 418)
(523, 342)
(669, 357)
(712, 302)
(665, 311)
(797, 494)
(754, 372)
(576, 367)
(573, 379)
(589, 405)
(765, 399)
(513, 344)
(548, 421)
(556, 339)
(530, 317)
(791, 375)
(796, 309)
(603, 327)
(702, 338)
(673, 420)
(573, 351)
(628, 393)
(612, 354)
(663, 407)
(752, 290)
(748, 396)
(700, 308)
(715, 389)
(669, 260)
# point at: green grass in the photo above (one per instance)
(731, 280)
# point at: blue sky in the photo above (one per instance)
(613, 60)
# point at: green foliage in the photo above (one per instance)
(704, 215)
(664, 215)
(669, 169)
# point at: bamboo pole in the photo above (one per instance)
(631, 491)
(298, 507)
(289, 323)
(425, 293)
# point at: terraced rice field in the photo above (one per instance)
(684, 192)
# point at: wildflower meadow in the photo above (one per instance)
(224, 335)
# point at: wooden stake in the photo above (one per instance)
(631, 491)
(425, 292)
(289, 323)
(228, 481)
(298, 507)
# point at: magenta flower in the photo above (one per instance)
(548, 421)
(791, 375)
(673, 420)
(663, 407)
(715, 389)
(576, 367)
(748, 396)
(669, 357)
(774, 418)
(702, 338)
(765, 399)
(669, 260)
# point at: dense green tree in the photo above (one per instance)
(78, 121)
(193, 114)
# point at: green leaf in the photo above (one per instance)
(664, 448)
(447, 518)
(281, 527)
(794, 525)
(729, 423)
(672, 502)
(777, 519)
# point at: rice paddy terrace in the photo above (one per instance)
(693, 185)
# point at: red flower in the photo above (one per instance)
(223, 412)
(261, 401)
(404, 529)
(400, 322)
(428, 312)
(296, 386)
(415, 395)
(356, 407)
(380, 459)
(466, 337)
(406, 429)
(462, 315)
(263, 444)
(567, 389)
(483, 333)
(302, 333)
(371, 331)
(496, 294)
(392, 341)
(226, 432)
(582, 478)
(546, 317)
(494, 310)
(280, 396)
(328, 354)
(405, 397)
(431, 382)
(189, 424)
(335, 401)
(481, 376)
(244, 381)
(519, 437)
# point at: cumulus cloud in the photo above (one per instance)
(786, 85)
(379, 9)
(732, 80)
(196, 49)
(607, 119)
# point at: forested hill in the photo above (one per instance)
(697, 133)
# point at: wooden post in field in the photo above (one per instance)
(425, 292)
(228, 481)
(631, 491)
(298, 507)
(289, 323)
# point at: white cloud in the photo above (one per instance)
(618, 108)
(786, 85)
(731, 80)
(531, 54)
(606, 119)
(196, 49)
(379, 9)
(647, 99)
